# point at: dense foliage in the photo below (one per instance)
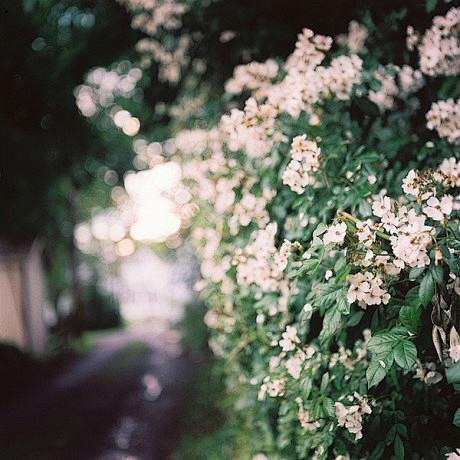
(328, 235)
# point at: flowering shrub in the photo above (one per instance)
(328, 233)
(329, 241)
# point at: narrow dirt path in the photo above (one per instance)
(122, 401)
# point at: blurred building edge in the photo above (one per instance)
(23, 297)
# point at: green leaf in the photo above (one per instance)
(399, 448)
(410, 317)
(324, 382)
(329, 407)
(402, 430)
(430, 5)
(426, 291)
(377, 453)
(412, 297)
(331, 323)
(436, 273)
(385, 341)
(307, 265)
(365, 209)
(375, 373)
(355, 319)
(416, 272)
(367, 107)
(369, 157)
(405, 354)
(328, 295)
(453, 373)
(320, 229)
(342, 303)
(456, 421)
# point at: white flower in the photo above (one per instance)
(439, 210)
(351, 417)
(453, 455)
(289, 339)
(381, 206)
(335, 233)
(328, 274)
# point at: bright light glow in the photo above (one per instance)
(121, 117)
(155, 214)
(125, 247)
(131, 127)
(156, 222)
(166, 175)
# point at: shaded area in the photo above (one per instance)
(122, 400)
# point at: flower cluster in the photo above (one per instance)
(439, 48)
(366, 289)
(295, 241)
(351, 417)
(444, 117)
(255, 76)
(356, 37)
(257, 263)
(305, 159)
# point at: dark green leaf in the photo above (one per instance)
(399, 448)
(402, 430)
(416, 272)
(369, 157)
(375, 373)
(405, 354)
(355, 319)
(410, 317)
(390, 437)
(453, 373)
(426, 289)
(456, 421)
(377, 453)
(412, 297)
(331, 323)
(385, 341)
(436, 273)
(367, 107)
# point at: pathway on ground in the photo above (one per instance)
(122, 401)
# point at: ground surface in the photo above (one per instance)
(122, 401)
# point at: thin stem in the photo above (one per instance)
(356, 221)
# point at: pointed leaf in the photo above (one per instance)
(405, 354)
(399, 448)
(375, 373)
(416, 272)
(426, 289)
(410, 317)
(412, 297)
(436, 273)
(331, 323)
(342, 303)
(329, 407)
(328, 295)
(385, 341)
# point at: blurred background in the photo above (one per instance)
(102, 343)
